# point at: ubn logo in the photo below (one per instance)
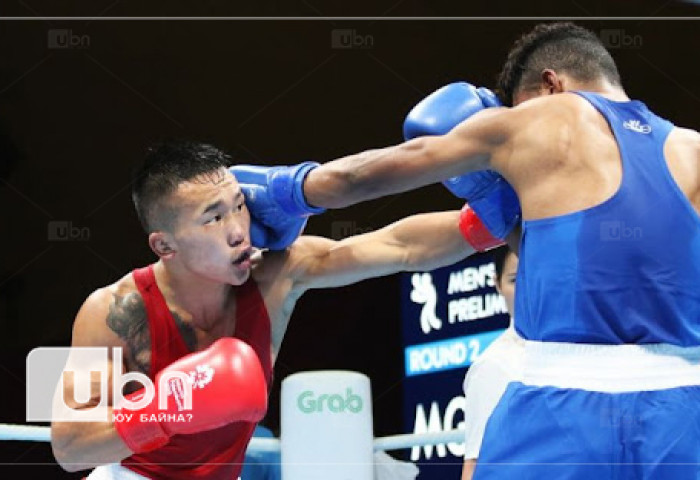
(59, 38)
(342, 38)
(346, 228)
(60, 231)
(618, 231)
(50, 384)
(335, 403)
(617, 38)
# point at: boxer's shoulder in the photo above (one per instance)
(682, 152)
(278, 265)
(685, 144)
(125, 301)
(269, 271)
(541, 128)
(273, 280)
(567, 107)
(278, 272)
(686, 137)
(108, 312)
(542, 121)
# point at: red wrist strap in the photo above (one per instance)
(140, 436)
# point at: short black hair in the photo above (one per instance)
(165, 166)
(499, 255)
(561, 46)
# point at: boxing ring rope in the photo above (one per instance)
(32, 433)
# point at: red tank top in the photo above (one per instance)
(214, 454)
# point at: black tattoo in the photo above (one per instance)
(127, 318)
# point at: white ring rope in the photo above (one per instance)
(25, 433)
(32, 433)
(409, 440)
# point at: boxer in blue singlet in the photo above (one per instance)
(608, 295)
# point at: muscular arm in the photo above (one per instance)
(523, 144)
(82, 445)
(420, 242)
(473, 145)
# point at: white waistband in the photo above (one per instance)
(610, 368)
(114, 471)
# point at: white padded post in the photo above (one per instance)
(326, 426)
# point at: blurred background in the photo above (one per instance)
(81, 99)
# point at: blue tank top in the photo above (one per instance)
(626, 270)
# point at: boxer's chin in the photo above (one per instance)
(240, 273)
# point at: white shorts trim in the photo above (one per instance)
(610, 368)
(114, 471)
(484, 384)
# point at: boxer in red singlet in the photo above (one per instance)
(205, 294)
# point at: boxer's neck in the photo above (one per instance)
(602, 87)
(208, 302)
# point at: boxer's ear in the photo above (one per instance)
(162, 244)
(552, 82)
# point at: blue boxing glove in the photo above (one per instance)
(488, 193)
(285, 185)
(447, 107)
(270, 227)
(275, 199)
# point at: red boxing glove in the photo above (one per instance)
(475, 232)
(228, 385)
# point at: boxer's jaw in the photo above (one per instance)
(212, 230)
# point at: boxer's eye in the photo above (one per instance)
(215, 219)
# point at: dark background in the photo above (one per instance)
(74, 120)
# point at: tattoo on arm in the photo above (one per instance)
(127, 318)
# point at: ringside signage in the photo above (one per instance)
(449, 317)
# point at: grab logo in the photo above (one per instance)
(424, 293)
(309, 402)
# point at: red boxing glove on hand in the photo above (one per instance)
(228, 385)
(475, 232)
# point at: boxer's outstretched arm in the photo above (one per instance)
(419, 242)
(375, 173)
(510, 141)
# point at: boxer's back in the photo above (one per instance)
(584, 168)
(615, 241)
